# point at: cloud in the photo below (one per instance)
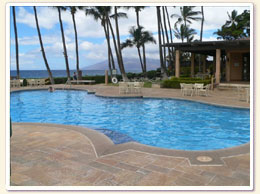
(47, 17)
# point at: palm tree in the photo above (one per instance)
(42, 48)
(163, 67)
(73, 10)
(236, 27)
(233, 19)
(184, 32)
(101, 13)
(120, 62)
(64, 44)
(139, 38)
(137, 10)
(16, 45)
(187, 16)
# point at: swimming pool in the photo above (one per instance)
(165, 123)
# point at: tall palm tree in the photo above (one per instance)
(102, 14)
(114, 41)
(73, 11)
(139, 38)
(163, 67)
(16, 44)
(120, 62)
(64, 44)
(187, 16)
(42, 48)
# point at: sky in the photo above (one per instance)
(91, 38)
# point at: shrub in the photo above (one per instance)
(60, 80)
(25, 83)
(175, 82)
(147, 84)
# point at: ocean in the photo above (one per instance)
(59, 73)
(55, 73)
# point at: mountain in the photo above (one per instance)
(131, 65)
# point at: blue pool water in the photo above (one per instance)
(175, 124)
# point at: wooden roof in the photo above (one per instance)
(209, 47)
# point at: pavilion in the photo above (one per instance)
(233, 56)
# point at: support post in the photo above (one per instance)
(228, 67)
(192, 64)
(218, 65)
(106, 77)
(177, 63)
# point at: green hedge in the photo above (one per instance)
(175, 82)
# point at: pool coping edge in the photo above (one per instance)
(104, 146)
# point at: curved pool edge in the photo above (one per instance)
(104, 146)
(130, 96)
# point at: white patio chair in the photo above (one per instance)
(198, 87)
(15, 83)
(182, 86)
(123, 88)
(40, 82)
(188, 89)
(31, 82)
(204, 90)
(137, 87)
(242, 93)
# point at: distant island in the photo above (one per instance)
(130, 64)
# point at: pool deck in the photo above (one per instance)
(61, 155)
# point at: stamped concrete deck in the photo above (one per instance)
(56, 155)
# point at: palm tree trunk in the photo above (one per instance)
(117, 52)
(76, 43)
(164, 49)
(169, 23)
(202, 23)
(108, 52)
(143, 47)
(170, 28)
(166, 33)
(42, 48)
(124, 76)
(64, 46)
(108, 49)
(201, 34)
(140, 58)
(16, 45)
(163, 68)
(144, 58)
